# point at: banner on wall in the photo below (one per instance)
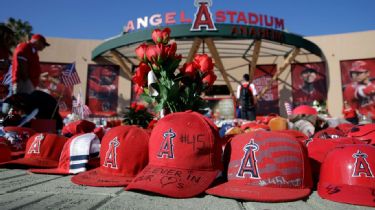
(102, 89)
(269, 102)
(308, 83)
(358, 82)
(51, 83)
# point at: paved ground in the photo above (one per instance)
(21, 190)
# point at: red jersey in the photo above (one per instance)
(26, 52)
(365, 104)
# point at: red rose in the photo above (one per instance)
(171, 50)
(140, 74)
(189, 69)
(156, 54)
(140, 51)
(140, 107)
(161, 36)
(210, 78)
(205, 62)
(138, 89)
(133, 105)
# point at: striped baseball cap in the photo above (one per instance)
(76, 155)
(265, 166)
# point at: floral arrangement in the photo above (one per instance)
(137, 114)
(160, 82)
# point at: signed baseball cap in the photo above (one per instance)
(184, 156)
(123, 154)
(265, 166)
(347, 175)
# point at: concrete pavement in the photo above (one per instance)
(22, 190)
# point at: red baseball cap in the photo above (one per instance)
(184, 156)
(17, 138)
(304, 109)
(329, 133)
(298, 135)
(253, 126)
(123, 154)
(347, 175)
(76, 154)
(364, 133)
(318, 148)
(77, 127)
(42, 151)
(359, 66)
(345, 127)
(4, 153)
(265, 166)
(39, 37)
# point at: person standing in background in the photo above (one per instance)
(26, 67)
(6, 37)
(246, 94)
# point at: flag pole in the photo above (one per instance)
(58, 101)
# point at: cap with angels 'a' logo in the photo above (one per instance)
(76, 155)
(265, 166)
(123, 154)
(347, 175)
(184, 156)
(42, 151)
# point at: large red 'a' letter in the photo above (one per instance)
(249, 162)
(361, 165)
(203, 17)
(111, 156)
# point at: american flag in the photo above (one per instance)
(288, 108)
(70, 76)
(79, 108)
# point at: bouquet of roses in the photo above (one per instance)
(137, 114)
(159, 80)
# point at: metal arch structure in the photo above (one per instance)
(228, 41)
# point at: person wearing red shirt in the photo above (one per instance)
(349, 113)
(312, 88)
(103, 91)
(360, 94)
(26, 67)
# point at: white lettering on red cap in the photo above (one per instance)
(166, 147)
(35, 146)
(111, 155)
(361, 166)
(249, 161)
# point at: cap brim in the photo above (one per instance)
(46, 44)
(97, 178)
(28, 162)
(56, 171)
(239, 190)
(92, 163)
(173, 182)
(17, 155)
(357, 195)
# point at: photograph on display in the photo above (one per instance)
(358, 82)
(269, 102)
(220, 108)
(102, 89)
(51, 83)
(309, 83)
